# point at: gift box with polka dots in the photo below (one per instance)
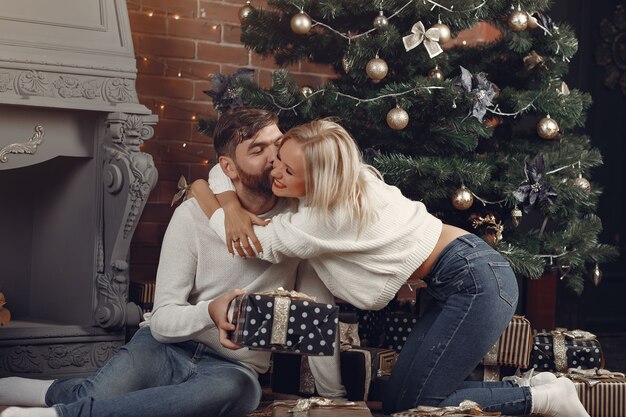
(581, 354)
(292, 325)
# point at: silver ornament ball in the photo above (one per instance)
(376, 69)
(306, 90)
(397, 118)
(444, 32)
(548, 128)
(301, 23)
(381, 21)
(462, 198)
(583, 183)
(596, 275)
(518, 20)
(244, 11)
(436, 74)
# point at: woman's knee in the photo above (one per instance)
(240, 394)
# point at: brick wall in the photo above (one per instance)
(178, 43)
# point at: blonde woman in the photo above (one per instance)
(365, 239)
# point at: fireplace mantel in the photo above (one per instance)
(73, 183)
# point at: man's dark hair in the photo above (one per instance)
(239, 124)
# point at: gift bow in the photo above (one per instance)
(592, 377)
(282, 303)
(465, 408)
(418, 35)
(183, 188)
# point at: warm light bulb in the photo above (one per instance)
(193, 117)
(145, 59)
(180, 73)
(184, 145)
(214, 27)
(162, 106)
(176, 16)
(150, 14)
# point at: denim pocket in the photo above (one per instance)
(506, 291)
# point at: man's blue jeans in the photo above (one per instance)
(153, 379)
(474, 293)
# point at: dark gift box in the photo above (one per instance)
(331, 409)
(371, 324)
(560, 349)
(398, 326)
(513, 346)
(278, 322)
(360, 366)
(291, 374)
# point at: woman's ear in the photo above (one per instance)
(229, 167)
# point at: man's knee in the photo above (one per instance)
(240, 394)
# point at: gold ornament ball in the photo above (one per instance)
(596, 275)
(516, 216)
(397, 118)
(381, 21)
(306, 90)
(583, 183)
(548, 128)
(436, 74)
(376, 69)
(462, 199)
(533, 23)
(244, 11)
(301, 23)
(444, 32)
(518, 21)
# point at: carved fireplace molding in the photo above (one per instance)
(69, 73)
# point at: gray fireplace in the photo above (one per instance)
(73, 183)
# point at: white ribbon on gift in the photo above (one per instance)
(419, 34)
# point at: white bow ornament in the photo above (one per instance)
(418, 35)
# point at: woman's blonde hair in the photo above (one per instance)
(334, 172)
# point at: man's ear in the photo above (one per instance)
(228, 166)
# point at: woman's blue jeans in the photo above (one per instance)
(153, 379)
(474, 293)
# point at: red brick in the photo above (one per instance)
(219, 11)
(198, 29)
(256, 3)
(146, 254)
(186, 8)
(232, 34)
(185, 110)
(310, 80)
(221, 53)
(172, 170)
(192, 69)
(145, 232)
(157, 212)
(197, 136)
(168, 190)
(150, 66)
(200, 170)
(165, 87)
(141, 273)
(264, 78)
(310, 67)
(163, 46)
(173, 130)
(257, 60)
(198, 89)
(142, 23)
(193, 152)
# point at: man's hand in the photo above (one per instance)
(218, 310)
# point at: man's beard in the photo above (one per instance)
(258, 184)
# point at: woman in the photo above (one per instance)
(365, 239)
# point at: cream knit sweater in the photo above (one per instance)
(367, 269)
(195, 268)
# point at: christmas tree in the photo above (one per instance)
(484, 134)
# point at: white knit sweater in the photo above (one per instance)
(195, 268)
(367, 269)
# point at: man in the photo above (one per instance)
(175, 364)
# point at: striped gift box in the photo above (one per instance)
(513, 347)
(607, 398)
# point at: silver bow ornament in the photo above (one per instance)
(183, 189)
(418, 35)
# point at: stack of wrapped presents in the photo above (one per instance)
(293, 326)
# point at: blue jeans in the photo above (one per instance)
(153, 379)
(474, 293)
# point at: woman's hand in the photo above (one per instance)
(218, 310)
(239, 231)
